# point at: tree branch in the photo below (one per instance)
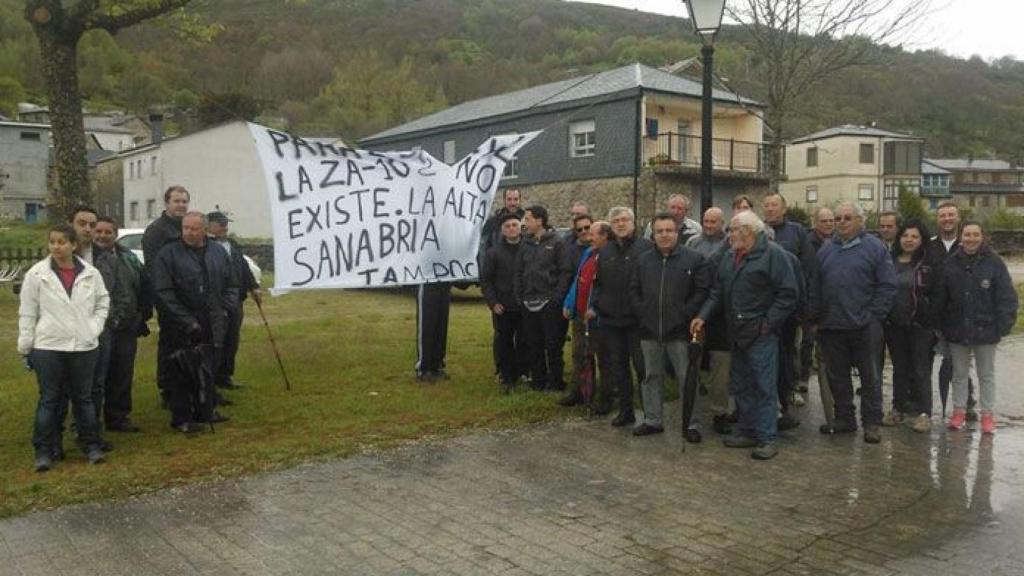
(122, 15)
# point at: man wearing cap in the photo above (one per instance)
(246, 282)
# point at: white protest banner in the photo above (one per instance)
(346, 218)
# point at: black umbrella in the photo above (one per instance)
(195, 362)
(695, 351)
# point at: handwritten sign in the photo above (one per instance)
(347, 218)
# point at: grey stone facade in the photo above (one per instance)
(24, 162)
(547, 159)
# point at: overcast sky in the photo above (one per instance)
(989, 28)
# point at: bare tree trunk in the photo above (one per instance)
(775, 119)
(60, 69)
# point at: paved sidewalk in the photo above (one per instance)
(577, 498)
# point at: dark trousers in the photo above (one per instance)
(120, 373)
(63, 376)
(232, 338)
(788, 368)
(843, 350)
(754, 385)
(910, 348)
(99, 377)
(617, 348)
(544, 333)
(432, 305)
(508, 332)
(191, 399)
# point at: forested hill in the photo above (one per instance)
(353, 67)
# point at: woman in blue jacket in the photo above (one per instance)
(977, 306)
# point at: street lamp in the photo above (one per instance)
(706, 17)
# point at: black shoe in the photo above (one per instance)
(840, 427)
(733, 417)
(720, 424)
(222, 401)
(57, 454)
(217, 418)
(647, 430)
(624, 419)
(787, 422)
(440, 374)
(765, 451)
(125, 425)
(570, 399)
(740, 442)
(825, 429)
(693, 436)
(872, 435)
(43, 463)
(231, 385)
(425, 377)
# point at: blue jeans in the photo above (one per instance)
(754, 377)
(64, 375)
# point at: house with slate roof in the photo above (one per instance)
(862, 164)
(985, 185)
(628, 136)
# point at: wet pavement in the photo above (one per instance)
(579, 497)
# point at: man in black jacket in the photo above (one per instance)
(497, 281)
(194, 289)
(491, 233)
(542, 278)
(246, 283)
(668, 287)
(123, 341)
(159, 233)
(619, 342)
(937, 252)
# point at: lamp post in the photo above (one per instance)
(706, 17)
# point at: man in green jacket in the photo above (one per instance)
(757, 288)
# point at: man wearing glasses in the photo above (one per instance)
(855, 289)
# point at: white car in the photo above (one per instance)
(131, 238)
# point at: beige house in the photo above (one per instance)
(984, 185)
(860, 164)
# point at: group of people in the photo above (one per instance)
(84, 306)
(769, 299)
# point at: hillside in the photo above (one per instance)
(352, 67)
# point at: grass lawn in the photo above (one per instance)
(1019, 327)
(350, 356)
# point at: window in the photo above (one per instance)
(33, 136)
(511, 168)
(984, 201)
(652, 128)
(133, 211)
(138, 168)
(449, 151)
(150, 208)
(867, 153)
(131, 170)
(152, 165)
(866, 192)
(582, 139)
(812, 156)
(812, 194)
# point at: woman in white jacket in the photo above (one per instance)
(63, 307)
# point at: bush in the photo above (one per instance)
(799, 215)
(1003, 219)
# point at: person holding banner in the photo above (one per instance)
(433, 301)
(497, 284)
(541, 281)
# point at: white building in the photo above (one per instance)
(24, 164)
(218, 166)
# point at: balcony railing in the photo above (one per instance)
(674, 149)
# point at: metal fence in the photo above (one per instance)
(671, 148)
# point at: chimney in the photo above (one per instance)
(156, 125)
